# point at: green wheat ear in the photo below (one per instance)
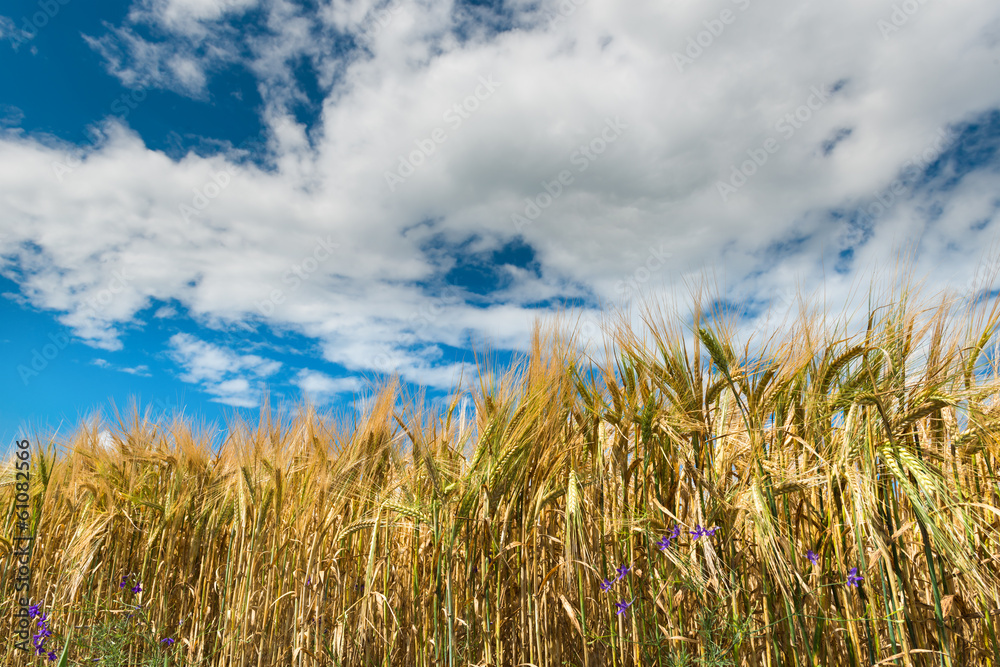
(64, 658)
(715, 350)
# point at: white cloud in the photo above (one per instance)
(195, 40)
(10, 115)
(188, 16)
(321, 388)
(654, 188)
(221, 372)
(164, 312)
(8, 28)
(106, 440)
(142, 370)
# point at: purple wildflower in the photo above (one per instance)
(811, 555)
(52, 656)
(677, 532)
(622, 571)
(34, 609)
(137, 588)
(169, 640)
(853, 578)
(700, 532)
(606, 585)
(622, 606)
(43, 633)
(703, 532)
(664, 544)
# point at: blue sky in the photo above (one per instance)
(204, 200)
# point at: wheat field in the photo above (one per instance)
(819, 496)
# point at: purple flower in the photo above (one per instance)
(702, 532)
(43, 633)
(52, 656)
(169, 640)
(309, 581)
(622, 571)
(677, 532)
(853, 578)
(606, 585)
(33, 609)
(622, 606)
(811, 555)
(664, 544)
(137, 588)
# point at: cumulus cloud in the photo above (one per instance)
(626, 160)
(321, 388)
(190, 39)
(232, 378)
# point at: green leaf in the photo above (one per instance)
(64, 658)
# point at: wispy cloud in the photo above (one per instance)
(321, 388)
(10, 115)
(231, 378)
(142, 370)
